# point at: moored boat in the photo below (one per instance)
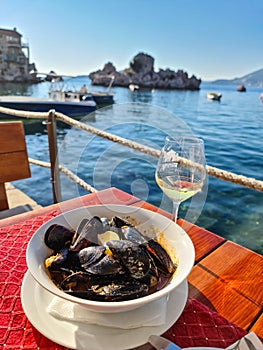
(62, 102)
(215, 96)
(134, 87)
(241, 88)
(102, 98)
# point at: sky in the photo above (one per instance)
(210, 39)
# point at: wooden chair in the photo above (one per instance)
(14, 164)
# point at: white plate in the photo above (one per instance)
(35, 300)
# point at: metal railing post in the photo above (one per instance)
(53, 154)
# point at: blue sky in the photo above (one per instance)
(211, 39)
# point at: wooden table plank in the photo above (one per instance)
(239, 267)
(204, 241)
(221, 297)
(258, 326)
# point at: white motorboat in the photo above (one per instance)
(215, 96)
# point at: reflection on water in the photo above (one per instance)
(16, 89)
(231, 131)
(142, 95)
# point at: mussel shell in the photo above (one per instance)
(115, 288)
(96, 262)
(119, 222)
(78, 281)
(161, 258)
(58, 259)
(106, 224)
(58, 275)
(87, 233)
(119, 291)
(91, 255)
(132, 234)
(57, 237)
(133, 257)
(106, 266)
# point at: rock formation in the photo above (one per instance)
(141, 72)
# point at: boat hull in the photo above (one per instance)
(69, 109)
(103, 99)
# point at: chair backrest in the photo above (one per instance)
(14, 164)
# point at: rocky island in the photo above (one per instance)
(141, 73)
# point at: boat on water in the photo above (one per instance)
(215, 96)
(241, 88)
(63, 102)
(101, 98)
(134, 87)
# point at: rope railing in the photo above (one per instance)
(67, 173)
(212, 171)
(242, 180)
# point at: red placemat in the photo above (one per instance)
(197, 326)
(200, 326)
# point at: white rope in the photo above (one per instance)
(24, 114)
(212, 171)
(67, 173)
(117, 139)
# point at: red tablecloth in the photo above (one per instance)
(197, 326)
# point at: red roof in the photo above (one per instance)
(12, 32)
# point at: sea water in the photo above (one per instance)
(231, 130)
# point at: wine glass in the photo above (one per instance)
(181, 169)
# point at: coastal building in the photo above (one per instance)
(15, 65)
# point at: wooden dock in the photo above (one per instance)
(16, 197)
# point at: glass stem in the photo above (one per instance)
(175, 211)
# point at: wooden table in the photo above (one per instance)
(226, 277)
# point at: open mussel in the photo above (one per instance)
(113, 288)
(87, 233)
(162, 259)
(160, 256)
(96, 261)
(123, 290)
(135, 260)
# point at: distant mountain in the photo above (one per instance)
(252, 79)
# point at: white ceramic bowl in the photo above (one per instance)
(177, 239)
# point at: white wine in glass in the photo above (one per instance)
(181, 169)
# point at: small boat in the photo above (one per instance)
(102, 98)
(261, 97)
(134, 87)
(241, 88)
(215, 96)
(67, 103)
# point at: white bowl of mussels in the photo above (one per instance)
(110, 258)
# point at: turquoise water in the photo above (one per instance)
(231, 129)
